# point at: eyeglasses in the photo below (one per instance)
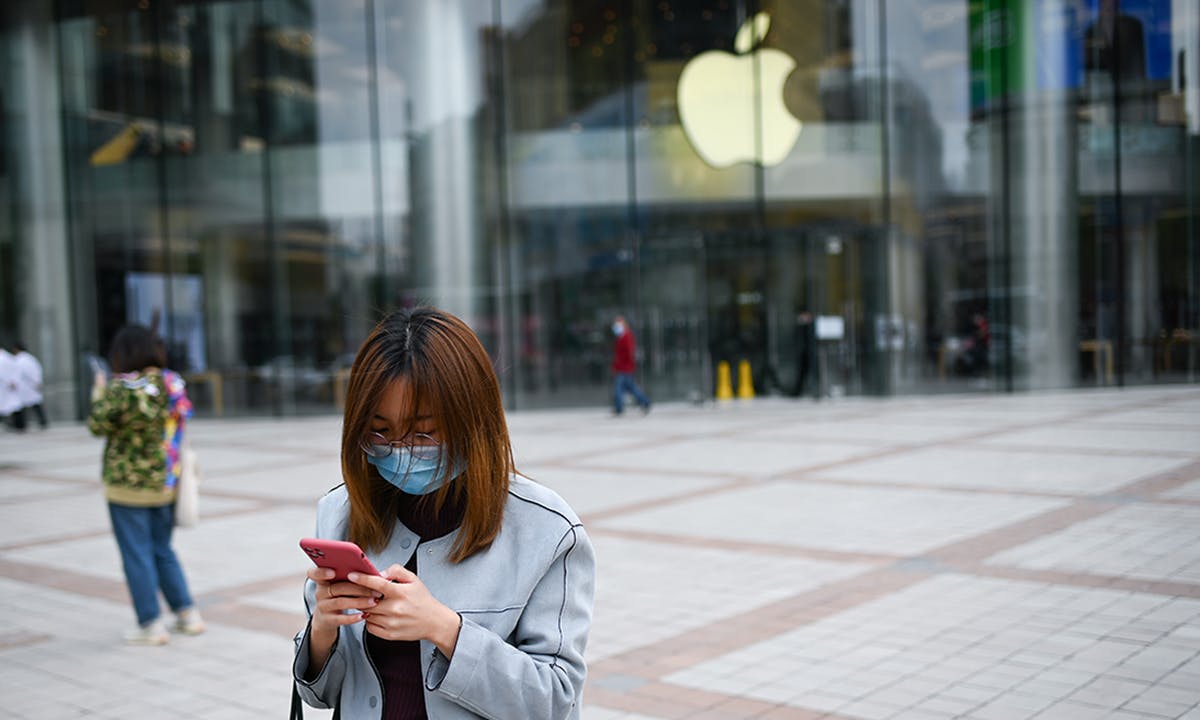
(420, 445)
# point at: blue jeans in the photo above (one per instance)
(624, 383)
(144, 538)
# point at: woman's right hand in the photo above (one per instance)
(333, 598)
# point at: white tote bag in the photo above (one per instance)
(187, 491)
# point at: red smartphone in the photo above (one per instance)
(339, 555)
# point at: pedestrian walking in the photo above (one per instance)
(624, 364)
(141, 413)
(29, 386)
(485, 604)
(806, 347)
(9, 399)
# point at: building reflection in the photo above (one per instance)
(986, 195)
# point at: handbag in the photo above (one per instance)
(187, 489)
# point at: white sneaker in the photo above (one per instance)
(153, 633)
(189, 622)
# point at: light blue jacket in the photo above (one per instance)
(526, 604)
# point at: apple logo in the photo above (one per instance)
(717, 95)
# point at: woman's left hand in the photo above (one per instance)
(408, 611)
(99, 382)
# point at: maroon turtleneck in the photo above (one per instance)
(399, 661)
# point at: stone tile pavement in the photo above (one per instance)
(989, 557)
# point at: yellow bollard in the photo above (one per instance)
(745, 381)
(724, 383)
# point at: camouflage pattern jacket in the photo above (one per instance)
(142, 416)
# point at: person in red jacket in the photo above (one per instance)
(623, 364)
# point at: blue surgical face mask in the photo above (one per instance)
(618, 329)
(414, 475)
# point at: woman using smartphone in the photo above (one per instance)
(485, 604)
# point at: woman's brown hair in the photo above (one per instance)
(449, 375)
(134, 349)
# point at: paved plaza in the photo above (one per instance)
(973, 556)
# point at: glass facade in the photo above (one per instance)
(877, 196)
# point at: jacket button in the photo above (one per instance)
(372, 701)
(405, 543)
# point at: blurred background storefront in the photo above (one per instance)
(975, 195)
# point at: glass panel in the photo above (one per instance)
(159, 182)
(225, 172)
(8, 186)
(933, 287)
(114, 122)
(696, 142)
(571, 256)
(848, 196)
(674, 279)
(822, 198)
(1147, 51)
(315, 95)
(440, 185)
(214, 201)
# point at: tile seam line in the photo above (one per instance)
(108, 589)
(1118, 494)
(569, 461)
(769, 549)
(45, 496)
(667, 439)
(93, 534)
(803, 474)
(735, 484)
(981, 546)
(644, 704)
(205, 469)
(811, 474)
(977, 567)
(1081, 450)
(696, 646)
(911, 447)
(729, 485)
(1082, 579)
(97, 491)
(662, 472)
(20, 639)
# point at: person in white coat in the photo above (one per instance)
(29, 386)
(9, 400)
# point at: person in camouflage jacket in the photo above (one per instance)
(141, 413)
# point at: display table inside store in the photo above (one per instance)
(1102, 356)
(216, 388)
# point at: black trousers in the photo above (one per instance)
(18, 418)
(802, 376)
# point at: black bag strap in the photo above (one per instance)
(297, 705)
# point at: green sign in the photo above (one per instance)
(999, 41)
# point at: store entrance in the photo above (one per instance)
(729, 297)
(674, 324)
(703, 299)
(815, 310)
